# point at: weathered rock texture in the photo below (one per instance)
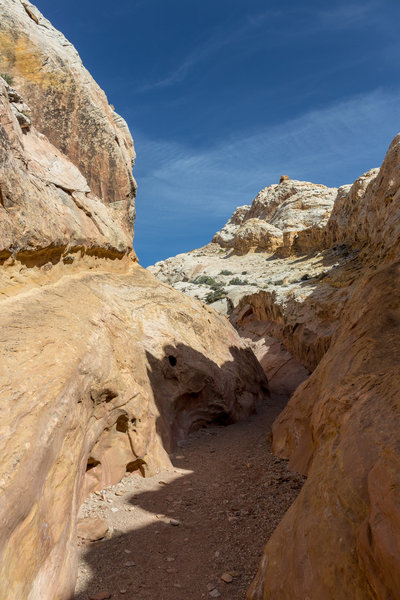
(67, 105)
(278, 216)
(48, 211)
(334, 309)
(100, 372)
(103, 368)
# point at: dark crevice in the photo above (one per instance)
(92, 463)
(122, 424)
(136, 465)
(172, 360)
(30, 13)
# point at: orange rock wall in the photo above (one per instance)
(340, 539)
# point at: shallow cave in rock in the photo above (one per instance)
(92, 463)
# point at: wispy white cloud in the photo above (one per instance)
(340, 17)
(347, 15)
(218, 40)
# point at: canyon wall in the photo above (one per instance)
(341, 426)
(103, 367)
(268, 271)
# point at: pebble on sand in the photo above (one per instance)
(100, 596)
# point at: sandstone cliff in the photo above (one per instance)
(285, 307)
(322, 297)
(104, 368)
(67, 105)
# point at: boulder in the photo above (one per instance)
(257, 235)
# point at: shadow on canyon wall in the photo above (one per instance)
(190, 391)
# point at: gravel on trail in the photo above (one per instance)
(195, 531)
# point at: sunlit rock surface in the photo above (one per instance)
(341, 426)
(68, 106)
(253, 272)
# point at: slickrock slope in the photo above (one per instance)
(68, 106)
(103, 368)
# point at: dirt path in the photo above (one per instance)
(225, 496)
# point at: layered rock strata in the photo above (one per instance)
(104, 368)
(68, 107)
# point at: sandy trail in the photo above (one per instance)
(226, 495)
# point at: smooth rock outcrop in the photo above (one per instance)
(100, 373)
(257, 235)
(226, 237)
(278, 215)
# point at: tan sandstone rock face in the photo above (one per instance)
(258, 235)
(100, 372)
(280, 215)
(67, 105)
(254, 260)
(48, 211)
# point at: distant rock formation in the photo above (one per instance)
(104, 368)
(286, 217)
(324, 298)
(245, 273)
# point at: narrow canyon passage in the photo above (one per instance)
(197, 531)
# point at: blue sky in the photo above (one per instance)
(223, 96)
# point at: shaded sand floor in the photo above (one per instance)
(225, 496)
